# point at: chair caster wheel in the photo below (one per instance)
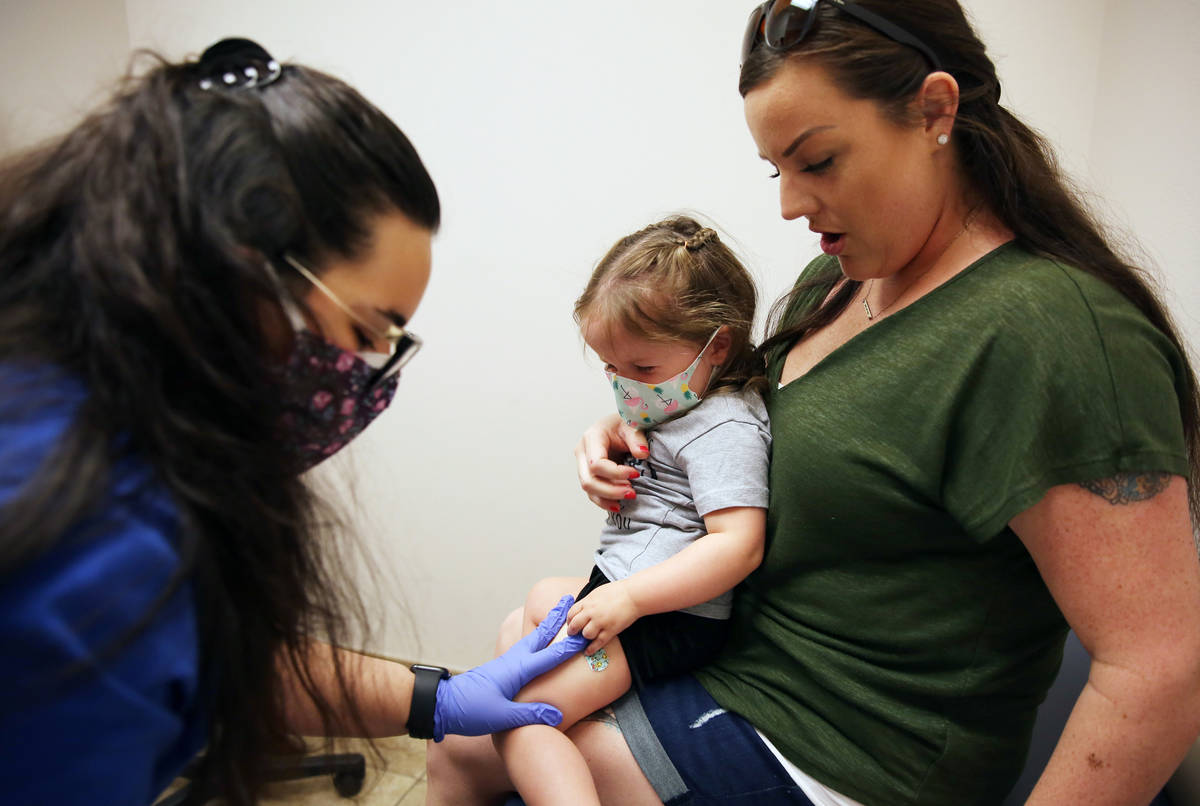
(348, 784)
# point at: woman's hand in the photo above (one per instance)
(605, 481)
(480, 701)
(602, 615)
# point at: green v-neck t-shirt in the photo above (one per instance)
(897, 639)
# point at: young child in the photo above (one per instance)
(669, 310)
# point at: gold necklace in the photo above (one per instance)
(866, 297)
(871, 283)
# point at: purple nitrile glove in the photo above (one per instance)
(479, 701)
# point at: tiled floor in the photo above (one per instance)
(395, 777)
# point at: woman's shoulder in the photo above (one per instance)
(99, 625)
(37, 406)
(130, 533)
(1013, 278)
(1023, 298)
(1063, 347)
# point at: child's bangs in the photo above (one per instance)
(642, 312)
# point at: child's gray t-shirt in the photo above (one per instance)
(711, 458)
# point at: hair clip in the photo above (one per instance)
(239, 64)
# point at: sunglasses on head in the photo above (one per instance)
(779, 24)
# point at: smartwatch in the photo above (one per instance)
(424, 697)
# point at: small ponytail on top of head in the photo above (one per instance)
(700, 238)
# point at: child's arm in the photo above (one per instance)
(705, 569)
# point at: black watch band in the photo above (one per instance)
(424, 697)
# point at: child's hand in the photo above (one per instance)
(601, 615)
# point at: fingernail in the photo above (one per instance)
(634, 475)
(614, 509)
(643, 449)
(630, 494)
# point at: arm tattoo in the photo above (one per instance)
(1128, 488)
(605, 716)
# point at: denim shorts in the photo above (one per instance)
(695, 752)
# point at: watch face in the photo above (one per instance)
(442, 671)
(426, 680)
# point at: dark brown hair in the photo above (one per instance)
(1010, 170)
(134, 253)
(676, 281)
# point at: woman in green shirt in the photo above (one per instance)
(985, 432)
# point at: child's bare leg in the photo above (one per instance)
(466, 770)
(543, 596)
(546, 767)
(511, 630)
(542, 762)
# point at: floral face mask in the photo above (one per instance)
(331, 395)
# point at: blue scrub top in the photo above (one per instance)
(78, 726)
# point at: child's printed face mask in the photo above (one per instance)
(645, 405)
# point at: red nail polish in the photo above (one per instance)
(614, 509)
(630, 494)
(634, 475)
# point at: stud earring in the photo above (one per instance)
(943, 138)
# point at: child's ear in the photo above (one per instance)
(718, 352)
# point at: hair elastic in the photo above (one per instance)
(701, 237)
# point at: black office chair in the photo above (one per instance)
(348, 770)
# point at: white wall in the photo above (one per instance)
(550, 133)
(1143, 160)
(554, 128)
(55, 57)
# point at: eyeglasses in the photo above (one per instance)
(402, 344)
(780, 24)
